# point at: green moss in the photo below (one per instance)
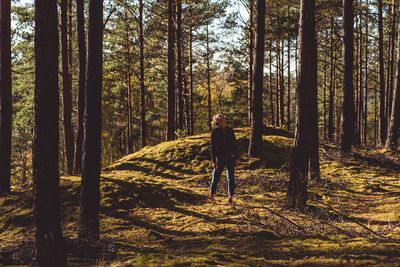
(154, 211)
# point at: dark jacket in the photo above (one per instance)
(223, 144)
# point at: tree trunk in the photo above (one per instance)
(91, 167)
(324, 87)
(48, 234)
(143, 128)
(251, 57)
(255, 145)
(331, 88)
(278, 55)
(288, 121)
(282, 86)
(296, 196)
(382, 90)
(179, 64)
(271, 87)
(171, 74)
(80, 14)
(67, 89)
(365, 109)
(5, 96)
(128, 84)
(392, 61)
(394, 125)
(191, 80)
(208, 78)
(347, 126)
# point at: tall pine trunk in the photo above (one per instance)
(171, 74)
(80, 18)
(5, 96)
(382, 90)
(394, 125)
(271, 87)
(288, 103)
(366, 77)
(347, 126)
(296, 195)
(46, 178)
(251, 58)
(91, 167)
(255, 145)
(67, 88)
(143, 127)
(179, 64)
(191, 85)
(331, 87)
(208, 55)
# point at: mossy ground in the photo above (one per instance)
(154, 211)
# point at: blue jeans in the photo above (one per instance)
(229, 164)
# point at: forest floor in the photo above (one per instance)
(154, 211)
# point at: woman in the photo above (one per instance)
(223, 154)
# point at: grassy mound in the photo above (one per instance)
(154, 211)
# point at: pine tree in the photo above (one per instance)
(49, 241)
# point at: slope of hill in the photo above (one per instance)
(154, 211)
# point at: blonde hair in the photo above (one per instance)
(217, 119)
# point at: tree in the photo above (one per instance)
(394, 125)
(5, 96)
(91, 167)
(171, 74)
(255, 145)
(67, 89)
(46, 178)
(296, 195)
(180, 119)
(80, 18)
(251, 57)
(382, 90)
(331, 84)
(348, 114)
(143, 127)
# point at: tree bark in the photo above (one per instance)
(365, 108)
(179, 64)
(90, 199)
(67, 89)
(255, 145)
(191, 80)
(331, 88)
(296, 195)
(271, 87)
(347, 126)
(288, 103)
(282, 86)
(324, 87)
(208, 78)
(50, 249)
(390, 89)
(5, 96)
(382, 89)
(251, 57)
(277, 109)
(394, 125)
(143, 127)
(80, 18)
(171, 74)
